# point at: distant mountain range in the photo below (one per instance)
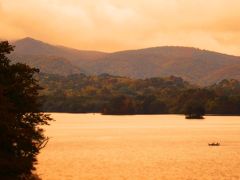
(194, 65)
(52, 59)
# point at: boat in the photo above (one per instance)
(214, 144)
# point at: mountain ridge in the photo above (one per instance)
(193, 64)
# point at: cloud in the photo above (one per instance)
(122, 24)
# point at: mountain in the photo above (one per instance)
(35, 47)
(195, 65)
(47, 64)
(50, 58)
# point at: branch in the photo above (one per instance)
(43, 143)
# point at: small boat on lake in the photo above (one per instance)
(214, 144)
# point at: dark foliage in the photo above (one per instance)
(120, 105)
(120, 95)
(194, 110)
(21, 138)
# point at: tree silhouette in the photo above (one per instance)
(21, 136)
(194, 110)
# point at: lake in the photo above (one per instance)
(93, 146)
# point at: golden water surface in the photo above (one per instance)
(93, 146)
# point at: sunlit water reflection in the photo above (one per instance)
(88, 146)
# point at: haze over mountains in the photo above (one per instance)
(194, 65)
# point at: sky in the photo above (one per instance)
(113, 25)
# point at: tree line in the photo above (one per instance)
(107, 94)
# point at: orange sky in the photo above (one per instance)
(111, 25)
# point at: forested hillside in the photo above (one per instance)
(121, 95)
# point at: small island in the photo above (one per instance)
(194, 110)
